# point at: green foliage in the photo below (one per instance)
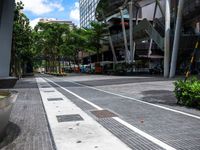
(50, 41)
(22, 52)
(188, 93)
(95, 35)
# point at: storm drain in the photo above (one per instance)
(103, 114)
(45, 86)
(49, 91)
(69, 118)
(54, 99)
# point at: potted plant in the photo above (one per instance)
(7, 99)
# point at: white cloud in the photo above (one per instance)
(74, 13)
(35, 21)
(39, 7)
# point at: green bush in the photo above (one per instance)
(188, 93)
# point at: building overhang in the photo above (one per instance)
(107, 8)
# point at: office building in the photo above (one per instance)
(87, 12)
(70, 23)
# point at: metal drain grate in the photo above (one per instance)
(103, 114)
(69, 118)
(45, 86)
(54, 99)
(49, 91)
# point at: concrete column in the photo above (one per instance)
(131, 30)
(176, 39)
(110, 41)
(6, 29)
(124, 35)
(136, 23)
(167, 39)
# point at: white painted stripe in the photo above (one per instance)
(145, 135)
(127, 97)
(83, 99)
(90, 134)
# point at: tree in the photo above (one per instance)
(22, 54)
(51, 43)
(96, 33)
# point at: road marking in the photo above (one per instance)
(140, 132)
(147, 136)
(86, 134)
(147, 103)
(83, 99)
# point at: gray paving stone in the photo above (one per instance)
(28, 128)
(177, 130)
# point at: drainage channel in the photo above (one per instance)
(72, 128)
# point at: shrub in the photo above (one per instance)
(188, 93)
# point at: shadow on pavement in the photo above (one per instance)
(160, 96)
(12, 132)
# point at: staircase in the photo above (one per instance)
(144, 30)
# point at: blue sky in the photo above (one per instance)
(56, 9)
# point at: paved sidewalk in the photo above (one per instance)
(145, 117)
(28, 128)
(158, 118)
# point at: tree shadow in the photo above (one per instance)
(12, 132)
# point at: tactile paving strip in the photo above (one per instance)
(69, 118)
(132, 139)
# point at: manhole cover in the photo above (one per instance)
(103, 114)
(54, 99)
(69, 118)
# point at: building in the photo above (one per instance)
(6, 28)
(49, 20)
(146, 31)
(87, 12)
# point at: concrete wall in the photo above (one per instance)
(6, 28)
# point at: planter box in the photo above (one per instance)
(7, 82)
(5, 109)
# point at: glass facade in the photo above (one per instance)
(87, 12)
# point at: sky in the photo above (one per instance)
(54, 9)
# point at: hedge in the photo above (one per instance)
(188, 92)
